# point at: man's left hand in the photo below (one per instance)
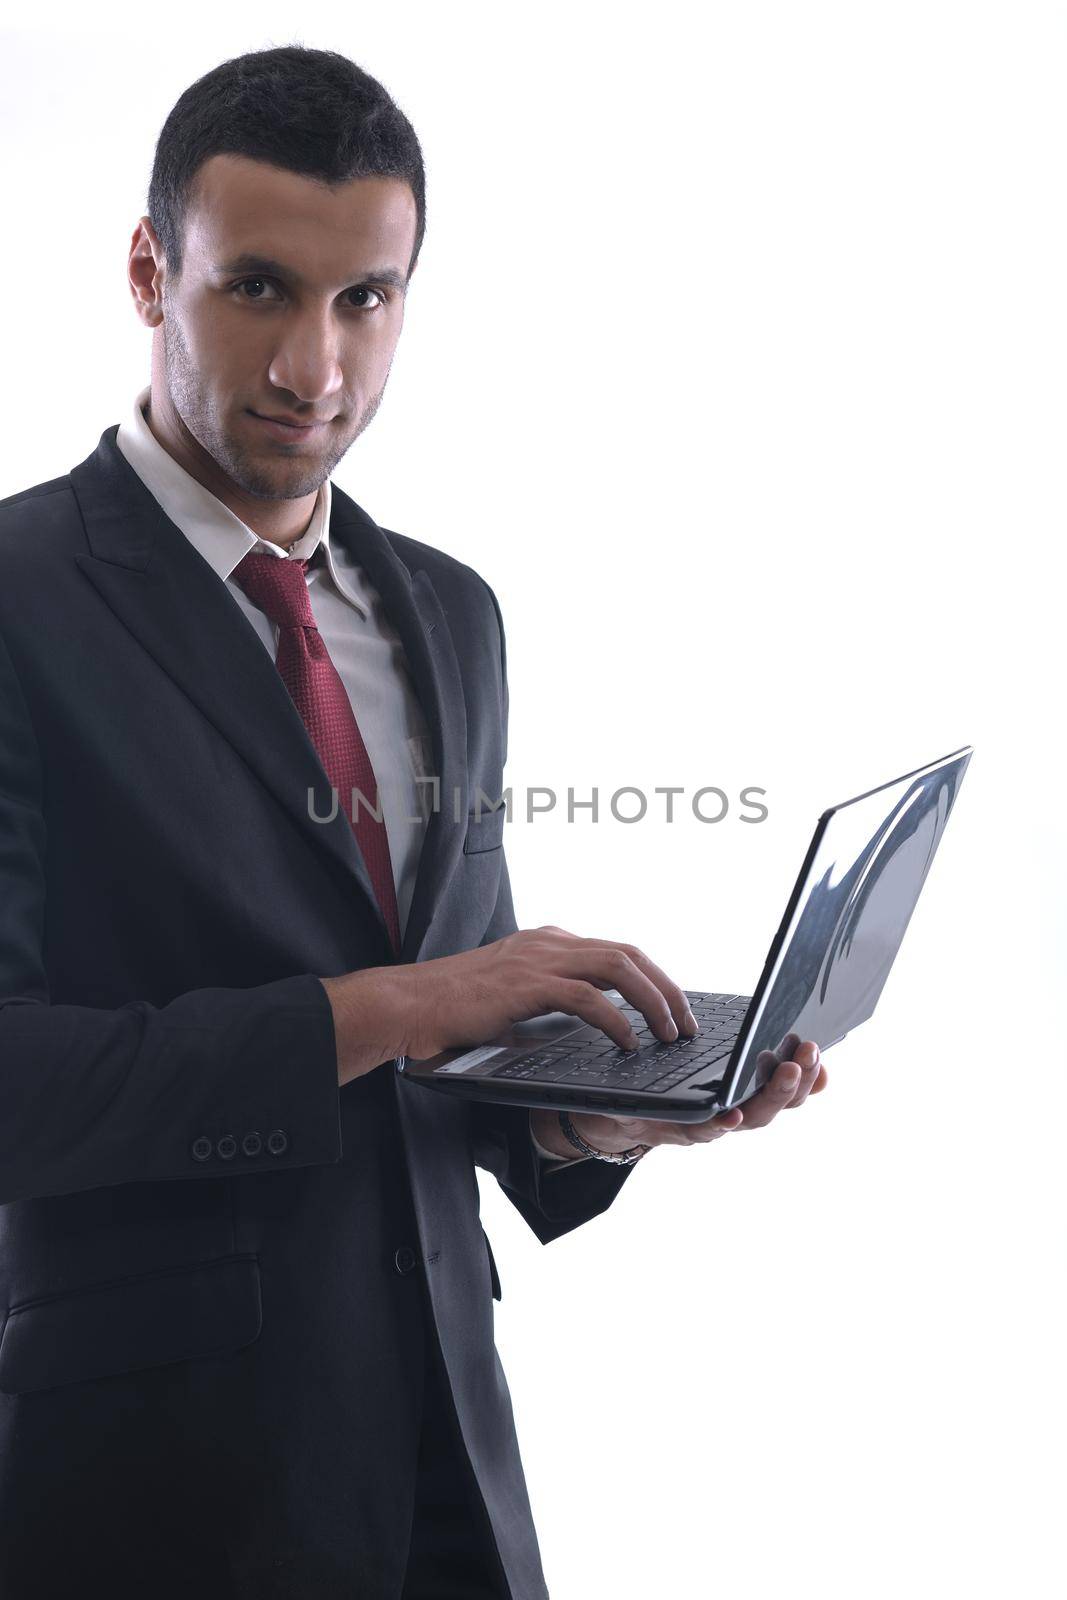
(798, 1072)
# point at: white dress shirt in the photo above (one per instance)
(362, 645)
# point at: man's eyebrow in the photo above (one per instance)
(250, 262)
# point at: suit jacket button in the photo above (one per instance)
(227, 1147)
(404, 1259)
(202, 1148)
(278, 1142)
(252, 1144)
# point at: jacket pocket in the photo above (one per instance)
(208, 1308)
(484, 832)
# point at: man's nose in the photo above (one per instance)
(307, 363)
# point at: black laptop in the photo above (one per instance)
(843, 925)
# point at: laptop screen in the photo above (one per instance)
(847, 915)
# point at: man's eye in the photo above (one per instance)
(246, 281)
(263, 283)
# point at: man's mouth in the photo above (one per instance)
(282, 428)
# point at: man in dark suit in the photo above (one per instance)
(247, 1345)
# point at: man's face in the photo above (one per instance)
(289, 304)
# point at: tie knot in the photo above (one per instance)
(277, 586)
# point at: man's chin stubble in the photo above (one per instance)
(250, 477)
(288, 480)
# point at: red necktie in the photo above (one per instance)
(278, 587)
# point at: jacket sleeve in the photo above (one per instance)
(91, 1097)
(553, 1200)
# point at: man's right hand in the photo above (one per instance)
(418, 1009)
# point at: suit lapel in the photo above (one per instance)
(163, 591)
(413, 608)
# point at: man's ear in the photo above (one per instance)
(143, 272)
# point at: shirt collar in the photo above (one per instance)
(217, 532)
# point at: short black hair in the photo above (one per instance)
(312, 112)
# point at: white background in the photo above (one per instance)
(735, 361)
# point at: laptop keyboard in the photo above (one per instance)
(589, 1057)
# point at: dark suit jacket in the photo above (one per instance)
(218, 1270)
